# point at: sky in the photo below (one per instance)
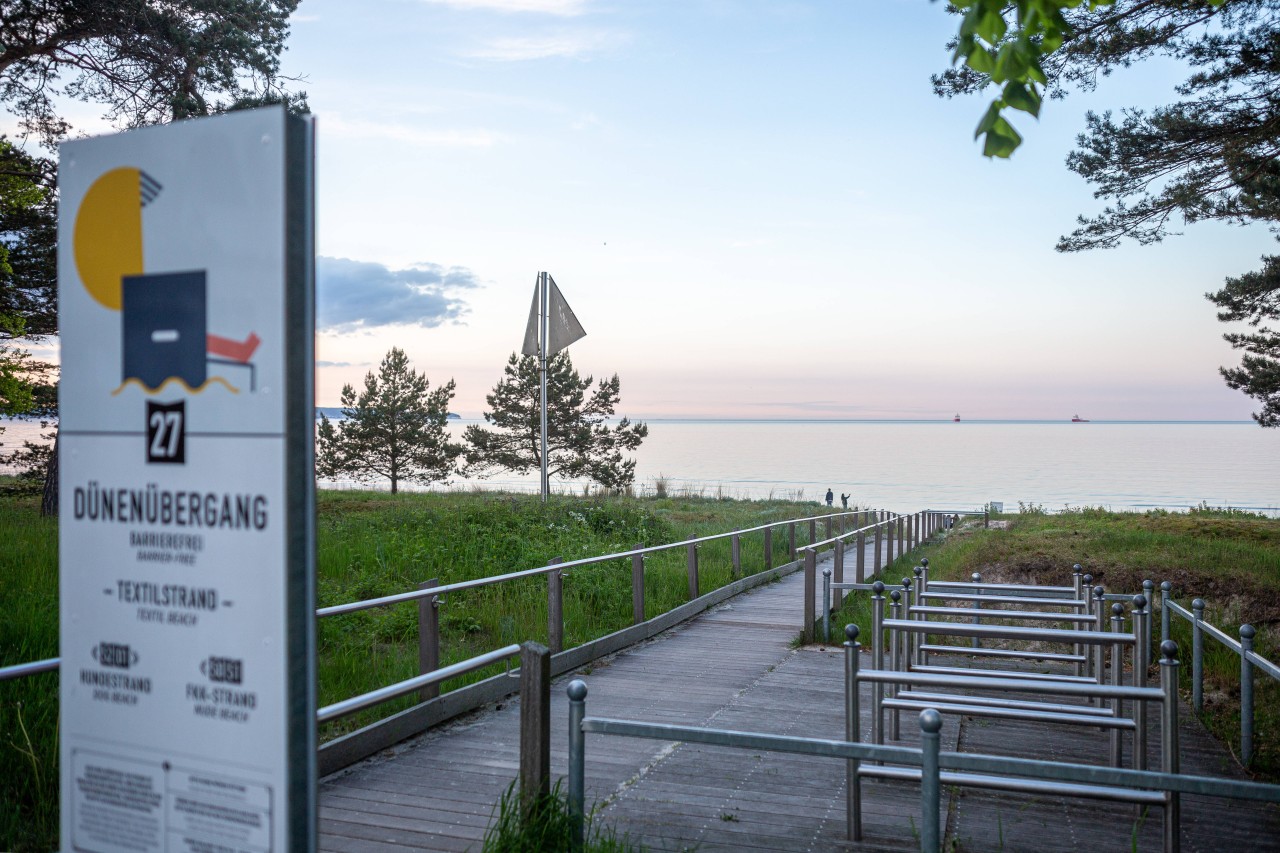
(756, 210)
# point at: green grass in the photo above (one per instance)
(372, 544)
(28, 706)
(547, 826)
(1229, 558)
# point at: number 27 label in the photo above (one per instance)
(167, 432)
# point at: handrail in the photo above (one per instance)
(409, 685)
(21, 670)
(414, 595)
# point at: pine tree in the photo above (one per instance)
(580, 443)
(394, 430)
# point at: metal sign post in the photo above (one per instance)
(186, 532)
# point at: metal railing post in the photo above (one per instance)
(810, 592)
(908, 612)
(1117, 672)
(924, 574)
(637, 587)
(535, 725)
(1086, 592)
(1166, 591)
(837, 597)
(1077, 584)
(826, 605)
(768, 548)
(930, 781)
(577, 759)
(877, 661)
(1246, 694)
(1169, 743)
(1099, 651)
(693, 571)
(1197, 656)
(1140, 628)
(555, 608)
(977, 605)
(895, 659)
(1148, 592)
(852, 733)
(735, 555)
(429, 638)
(917, 594)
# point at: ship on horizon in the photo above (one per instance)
(1076, 419)
(956, 419)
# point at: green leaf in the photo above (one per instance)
(989, 120)
(980, 60)
(1002, 140)
(1021, 97)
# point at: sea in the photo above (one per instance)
(908, 465)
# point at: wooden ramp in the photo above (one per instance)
(734, 668)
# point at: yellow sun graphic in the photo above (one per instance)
(108, 232)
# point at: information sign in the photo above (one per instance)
(186, 532)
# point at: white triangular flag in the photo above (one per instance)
(531, 329)
(563, 327)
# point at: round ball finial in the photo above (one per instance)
(878, 587)
(917, 571)
(924, 561)
(1088, 580)
(1139, 601)
(1247, 632)
(1165, 586)
(577, 690)
(906, 583)
(895, 595)
(1098, 592)
(930, 721)
(976, 577)
(1169, 649)
(826, 573)
(1148, 586)
(1117, 609)
(851, 632)
(1198, 604)
(1077, 569)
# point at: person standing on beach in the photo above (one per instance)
(844, 500)
(831, 497)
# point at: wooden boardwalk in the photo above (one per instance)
(734, 668)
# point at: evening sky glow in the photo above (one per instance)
(756, 209)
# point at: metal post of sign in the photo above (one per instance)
(542, 384)
(1169, 742)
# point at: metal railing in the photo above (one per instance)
(1250, 661)
(1143, 787)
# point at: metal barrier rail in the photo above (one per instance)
(411, 685)
(21, 670)
(1013, 774)
(1249, 660)
(414, 595)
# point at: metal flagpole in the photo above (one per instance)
(542, 354)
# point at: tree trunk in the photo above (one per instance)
(49, 500)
